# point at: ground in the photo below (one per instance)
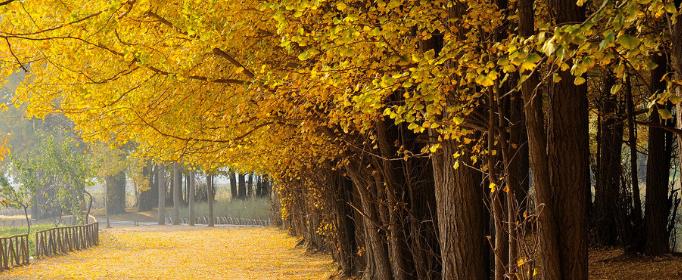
(230, 252)
(183, 252)
(610, 264)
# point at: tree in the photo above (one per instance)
(149, 195)
(234, 192)
(190, 197)
(175, 185)
(111, 165)
(17, 197)
(241, 187)
(162, 188)
(609, 174)
(411, 103)
(210, 198)
(660, 147)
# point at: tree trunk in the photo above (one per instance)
(234, 193)
(241, 190)
(657, 206)
(341, 197)
(537, 146)
(161, 181)
(608, 179)
(634, 239)
(249, 185)
(392, 187)
(148, 199)
(177, 180)
(375, 240)
(116, 193)
(461, 219)
(190, 197)
(568, 152)
(267, 187)
(210, 197)
(676, 56)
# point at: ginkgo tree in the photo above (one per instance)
(374, 115)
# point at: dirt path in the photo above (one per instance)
(182, 252)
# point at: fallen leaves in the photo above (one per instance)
(185, 253)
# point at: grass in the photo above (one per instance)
(250, 208)
(10, 231)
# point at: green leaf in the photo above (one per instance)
(307, 54)
(627, 41)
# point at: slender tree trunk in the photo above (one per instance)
(242, 187)
(537, 146)
(106, 204)
(249, 185)
(499, 238)
(190, 197)
(28, 220)
(209, 188)
(234, 193)
(515, 166)
(676, 55)
(267, 186)
(341, 199)
(634, 241)
(609, 165)
(177, 180)
(161, 181)
(375, 240)
(392, 188)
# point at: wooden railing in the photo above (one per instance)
(13, 251)
(224, 220)
(61, 240)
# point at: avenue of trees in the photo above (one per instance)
(472, 139)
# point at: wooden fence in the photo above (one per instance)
(61, 240)
(13, 251)
(224, 221)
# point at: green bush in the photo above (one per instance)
(10, 231)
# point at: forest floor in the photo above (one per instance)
(183, 252)
(612, 264)
(232, 252)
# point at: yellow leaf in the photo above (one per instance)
(341, 6)
(579, 81)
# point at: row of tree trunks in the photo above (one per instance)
(379, 205)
